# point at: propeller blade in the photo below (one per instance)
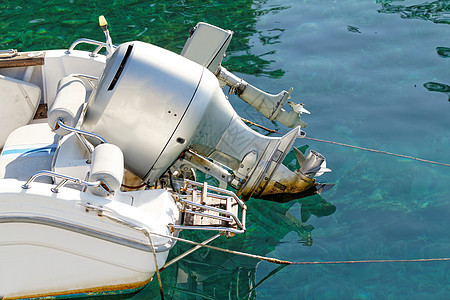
(298, 108)
(300, 156)
(323, 169)
(323, 187)
(304, 110)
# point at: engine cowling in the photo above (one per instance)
(154, 104)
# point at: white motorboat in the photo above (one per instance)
(99, 156)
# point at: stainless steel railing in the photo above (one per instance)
(94, 53)
(65, 179)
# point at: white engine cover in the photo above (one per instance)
(142, 98)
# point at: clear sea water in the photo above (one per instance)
(373, 73)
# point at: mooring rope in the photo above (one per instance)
(379, 151)
(101, 212)
(287, 262)
(367, 261)
(351, 146)
(161, 292)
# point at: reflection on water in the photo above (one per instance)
(33, 25)
(443, 52)
(353, 29)
(438, 87)
(355, 84)
(436, 11)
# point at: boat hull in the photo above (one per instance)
(52, 246)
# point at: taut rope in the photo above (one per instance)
(351, 146)
(286, 262)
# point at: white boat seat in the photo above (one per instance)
(27, 150)
(19, 101)
(33, 148)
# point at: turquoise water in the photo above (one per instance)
(373, 73)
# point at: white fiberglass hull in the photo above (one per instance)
(50, 245)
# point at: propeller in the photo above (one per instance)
(313, 165)
(298, 108)
(286, 185)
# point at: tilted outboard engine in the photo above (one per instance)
(163, 109)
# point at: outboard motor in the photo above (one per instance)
(163, 110)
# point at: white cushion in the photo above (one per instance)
(20, 100)
(27, 150)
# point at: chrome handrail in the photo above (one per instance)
(94, 53)
(219, 210)
(207, 228)
(88, 78)
(60, 123)
(219, 190)
(8, 53)
(209, 215)
(65, 179)
(189, 206)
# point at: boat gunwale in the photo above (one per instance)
(87, 231)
